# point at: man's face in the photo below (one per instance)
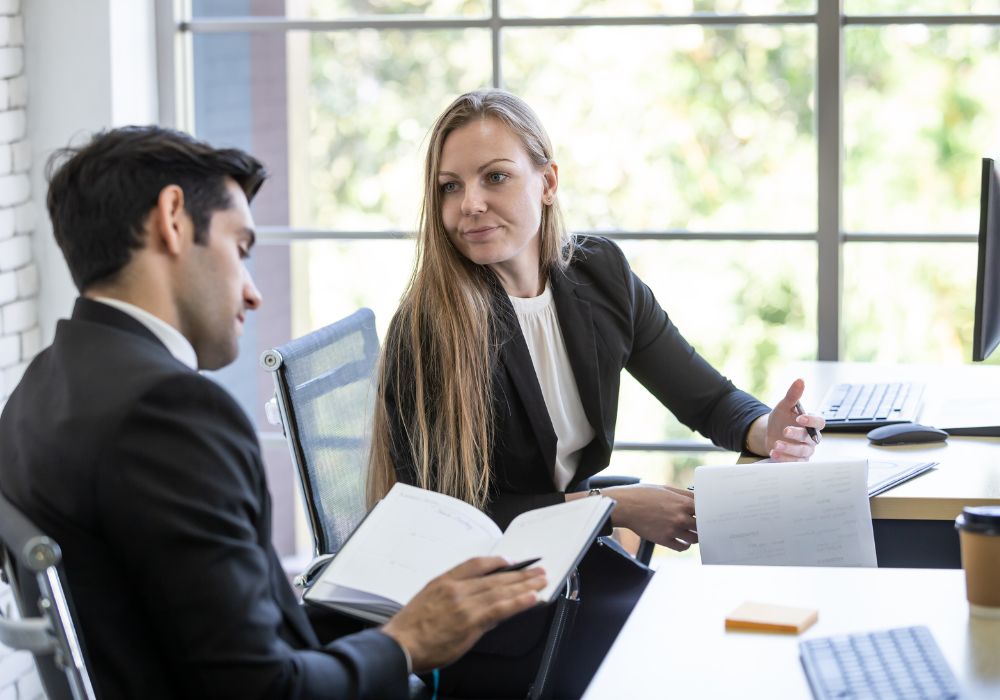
(215, 288)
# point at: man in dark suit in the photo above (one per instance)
(150, 476)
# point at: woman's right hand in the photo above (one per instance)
(662, 514)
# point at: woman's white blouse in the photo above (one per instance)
(540, 327)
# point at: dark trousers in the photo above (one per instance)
(504, 663)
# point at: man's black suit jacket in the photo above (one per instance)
(149, 476)
(610, 321)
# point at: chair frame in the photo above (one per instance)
(51, 633)
(272, 361)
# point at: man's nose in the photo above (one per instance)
(252, 298)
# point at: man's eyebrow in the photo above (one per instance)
(481, 168)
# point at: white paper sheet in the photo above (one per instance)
(796, 514)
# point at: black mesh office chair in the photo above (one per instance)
(324, 394)
(31, 567)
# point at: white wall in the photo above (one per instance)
(93, 66)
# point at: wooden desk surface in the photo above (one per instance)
(675, 644)
(969, 469)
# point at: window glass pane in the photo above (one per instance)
(915, 7)
(333, 279)
(920, 110)
(675, 127)
(670, 468)
(339, 117)
(369, 99)
(599, 8)
(749, 308)
(909, 302)
(339, 9)
(430, 8)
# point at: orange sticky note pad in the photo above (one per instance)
(764, 617)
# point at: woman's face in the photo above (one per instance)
(492, 196)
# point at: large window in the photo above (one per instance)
(794, 178)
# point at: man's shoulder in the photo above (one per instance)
(94, 376)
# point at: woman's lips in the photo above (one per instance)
(479, 232)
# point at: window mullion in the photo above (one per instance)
(829, 144)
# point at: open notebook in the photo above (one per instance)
(413, 535)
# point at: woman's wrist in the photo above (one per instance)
(619, 513)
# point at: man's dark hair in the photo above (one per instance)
(101, 193)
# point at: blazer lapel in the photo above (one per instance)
(516, 359)
(577, 325)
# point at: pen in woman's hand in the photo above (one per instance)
(813, 433)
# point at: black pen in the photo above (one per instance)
(813, 433)
(515, 567)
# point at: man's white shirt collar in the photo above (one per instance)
(176, 343)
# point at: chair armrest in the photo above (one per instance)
(606, 482)
(308, 577)
(33, 634)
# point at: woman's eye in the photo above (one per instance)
(496, 178)
(449, 187)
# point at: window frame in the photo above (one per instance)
(176, 28)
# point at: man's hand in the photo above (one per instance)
(662, 514)
(453, 611)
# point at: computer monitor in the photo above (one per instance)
(986, 328)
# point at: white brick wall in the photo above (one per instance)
(20, 336)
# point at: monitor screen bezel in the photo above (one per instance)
(988, 267)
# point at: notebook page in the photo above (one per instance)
(557, 534)
(410, 537)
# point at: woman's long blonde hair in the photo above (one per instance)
(446, 329)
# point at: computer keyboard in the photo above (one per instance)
(867, 406)
(904, 662)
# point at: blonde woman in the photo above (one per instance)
(500, 375)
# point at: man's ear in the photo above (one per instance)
(169, 221)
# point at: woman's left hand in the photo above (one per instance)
(782, 434)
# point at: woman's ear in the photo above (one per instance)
(550, 178)
(169, 220)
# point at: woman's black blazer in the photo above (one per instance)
(610, 321)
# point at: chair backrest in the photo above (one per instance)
(46, 629)
(325, 390)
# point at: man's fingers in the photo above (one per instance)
(494, 602)
(500, 610)
(475, 567)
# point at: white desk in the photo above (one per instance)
(675, 645)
